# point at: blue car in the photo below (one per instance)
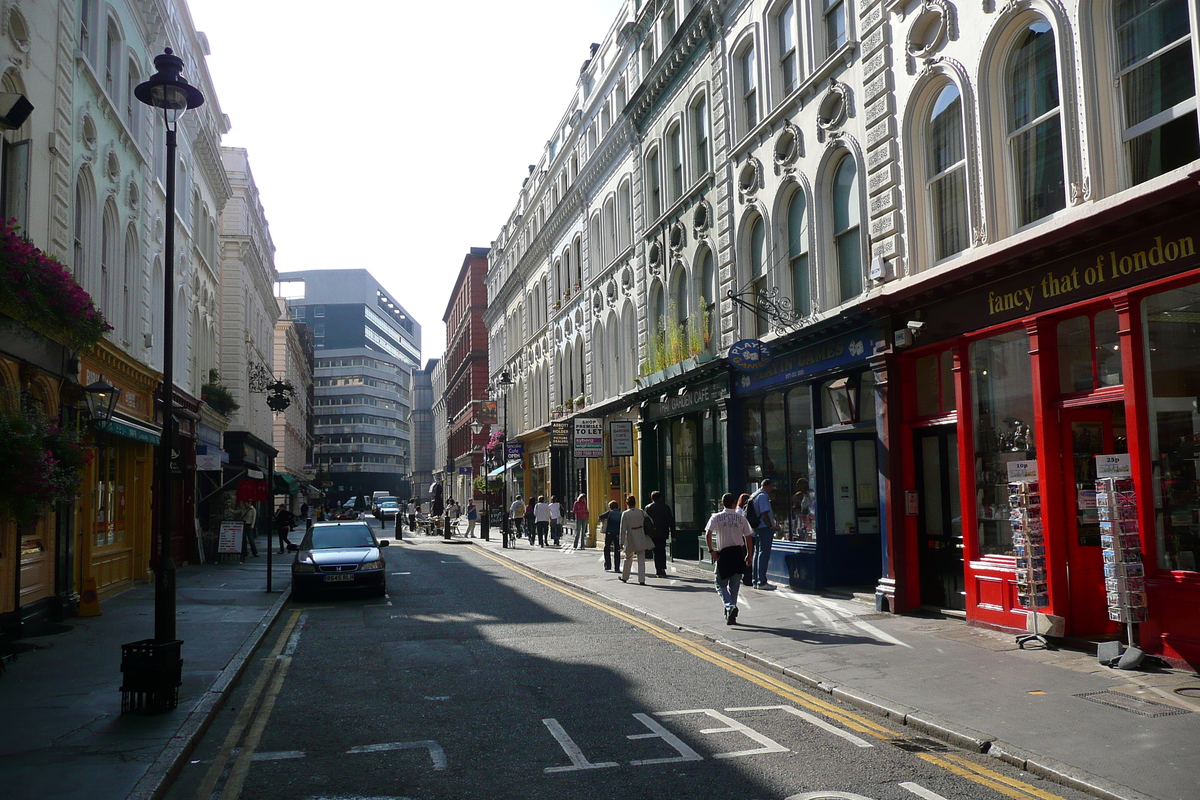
(339, 557)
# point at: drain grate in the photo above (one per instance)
(1134, 705)
(920, 745)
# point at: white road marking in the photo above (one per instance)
(278, 755)
(733, 726)
(804, 715)
(833, 614)
(685, 753)
(827, 796)
(921, 791)
(436, 753)
(578, 760)
(294, 640)
(402, 573)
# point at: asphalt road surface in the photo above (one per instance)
(477, 679)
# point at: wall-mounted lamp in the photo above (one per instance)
(844, 400)
(14, 110)
(101, 399)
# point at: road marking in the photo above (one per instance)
(278, 755)
(850, 719)
(436, 754)
(820, 723)
(294, 640)
(685, 753)
(733, 726)
(578, 760)
(827, 796)
(921, 791)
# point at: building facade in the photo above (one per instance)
(441, 465)
(421, 420)
(293, 432)
(466, 364)
(366, 347)
(880, 253)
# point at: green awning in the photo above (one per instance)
(286, 484)
(139, 433)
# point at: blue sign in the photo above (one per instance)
(465, 470)
(749, 355)
(817, 358)
(514, 450)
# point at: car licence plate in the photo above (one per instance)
(331, 578)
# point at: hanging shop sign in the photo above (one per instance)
(487, 412)
(560, 433)
(750, 355)
(812, 360)
(694, 398)
(620, 438)
(465, 470)
(514, 451)
(589, 437)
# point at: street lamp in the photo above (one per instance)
(476, 429)
(158, 663)
(101, 398)
(504, 381)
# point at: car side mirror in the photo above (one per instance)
(384, 542)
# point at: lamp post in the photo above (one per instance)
(171, 94)
(504, 381)
(101, 397)
(477, 428)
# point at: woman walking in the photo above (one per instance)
(531, 520)
(634, 539)
(580, 512)
(556, 515)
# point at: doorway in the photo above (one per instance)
(1087, 433)
(851, 553)
(939, 519)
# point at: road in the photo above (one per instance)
(474, 678)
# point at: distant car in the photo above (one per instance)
(379, 501)
(388, 511)
(339, 557)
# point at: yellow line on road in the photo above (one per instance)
(963, 767)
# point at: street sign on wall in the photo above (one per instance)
(589, 437)
(620, 438)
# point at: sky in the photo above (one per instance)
(389, 134)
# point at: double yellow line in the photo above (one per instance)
(959, 765)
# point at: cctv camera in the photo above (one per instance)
(915, 326)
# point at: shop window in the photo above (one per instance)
(1171, 322)
(1089, 352)
(752, 445)
(935, 384)
(1002, 395)
(801, 520)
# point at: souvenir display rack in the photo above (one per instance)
(1124, 573)
(1029, 547)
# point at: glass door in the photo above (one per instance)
(1087, 433)
(939, 519)
(851, 553)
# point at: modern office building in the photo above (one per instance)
(367, 347)
(421, 422)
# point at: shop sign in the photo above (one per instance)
(1114, 466)
(131, 401)
(749, 355)
(817, 358)
(560, 434)
(693, 399)
(589, 437)
(230, 538)
(541, 459)
(465, 470)
(514, 451)
(1119, 264)
(487, 412)
(208, 458)
(620, 438)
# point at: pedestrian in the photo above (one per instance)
(580, 512)
(304, 511)
(249, 520)
(320, 514)
(284, 520)
(556, 515)
(451, 515)
(634, 540)
(541, 515)
(762, 520)
(730, 552)
(411, 510)
(612, 536)
(515, 514)
(662, 520)
(472, 518)
(531, 520)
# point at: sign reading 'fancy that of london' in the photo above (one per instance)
(589, 437)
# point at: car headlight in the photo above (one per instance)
(304, 568)
(371, 564)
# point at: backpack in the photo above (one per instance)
(751, 512)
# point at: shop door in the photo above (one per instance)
(850, 553)
(939, 519)
(1087, 433)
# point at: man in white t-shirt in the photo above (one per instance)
(541, 519)
(516, 513)
(730, 541)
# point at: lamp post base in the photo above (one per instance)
(152, 673)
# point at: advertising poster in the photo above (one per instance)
(589, 438)
(230, 540)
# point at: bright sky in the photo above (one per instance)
(394, 134)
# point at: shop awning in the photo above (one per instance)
(132, 430)
(252, 491)
(500, 470)
(286, 484)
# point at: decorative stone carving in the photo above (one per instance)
(88, 135)
(1081, 190)
(789, 147)
(834, 108)
(677, 237)
(701, 220)
(933, 26)
(750, 179)
(654, 256)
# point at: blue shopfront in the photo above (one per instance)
(807, 421)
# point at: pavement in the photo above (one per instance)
(1118, 735)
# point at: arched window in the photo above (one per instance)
(656, 326)
(653, 187)
(130, 284)
(595, 257)
(629, 334)
(598, 363)
(578, 248)
(846, 238)
(1035, 124)
(681, 311)
(112, 62)
(1156, 74)
(797, 215)
(132, 106)
(674, 164)
(609, 222)
(700, 137)
(788, 53)
(85, 210)
(707, 318)
(624, 217)
(747, 69)
(110, 262)
(946, 174)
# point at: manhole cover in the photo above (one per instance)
(1188, 691)
(1134, 705)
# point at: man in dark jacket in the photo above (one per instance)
(663, 519)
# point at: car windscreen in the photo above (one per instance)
(342, 536)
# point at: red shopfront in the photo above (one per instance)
(1090, 353)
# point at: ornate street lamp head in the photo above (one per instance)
(168, 90)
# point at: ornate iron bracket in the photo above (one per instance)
(279, 393)
(769, 304)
